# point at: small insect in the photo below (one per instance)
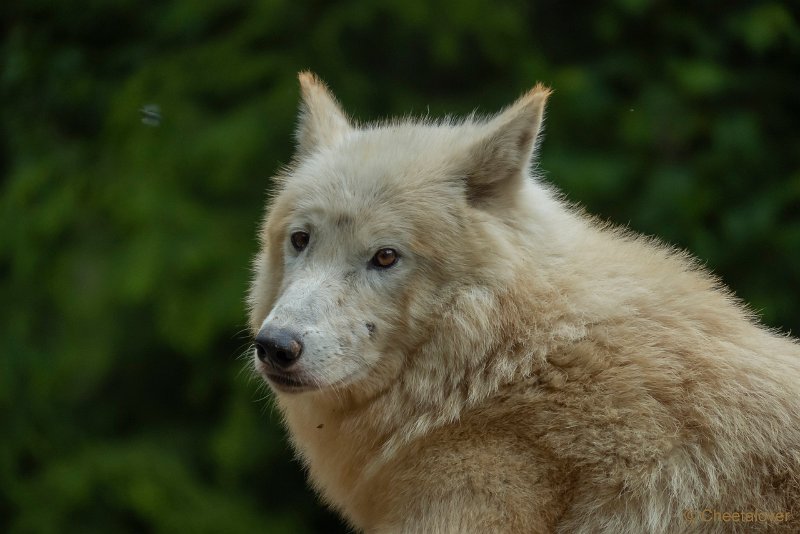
(151, 114)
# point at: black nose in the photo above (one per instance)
(279, 346)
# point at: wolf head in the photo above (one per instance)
(374, 229)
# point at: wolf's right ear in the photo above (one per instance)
(499, 161)
(322, 122)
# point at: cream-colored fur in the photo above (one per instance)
(522, 368)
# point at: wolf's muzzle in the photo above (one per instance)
(278, 346)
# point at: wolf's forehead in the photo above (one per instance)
(354, 184)
(374, 204)
(370, 172)
(335, 213)
(394, 149)
(373, 173)
(349, 191)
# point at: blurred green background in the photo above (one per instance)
(125, 248)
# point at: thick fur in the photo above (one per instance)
(523, 368)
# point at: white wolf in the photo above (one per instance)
(455, 349)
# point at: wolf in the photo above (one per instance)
(456, 348)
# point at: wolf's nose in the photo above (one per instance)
(280, 347)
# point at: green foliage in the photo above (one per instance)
(125, 248)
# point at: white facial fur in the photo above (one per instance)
(416, 188)
(332, 295)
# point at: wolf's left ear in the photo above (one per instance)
(322, 122)
(500, 160)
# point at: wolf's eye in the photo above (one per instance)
(384, 258)
(299, 240)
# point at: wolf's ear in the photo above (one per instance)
(499, 161)
(322, 122)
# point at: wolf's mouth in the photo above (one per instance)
(287, 383)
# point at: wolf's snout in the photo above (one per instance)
(280, 347)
